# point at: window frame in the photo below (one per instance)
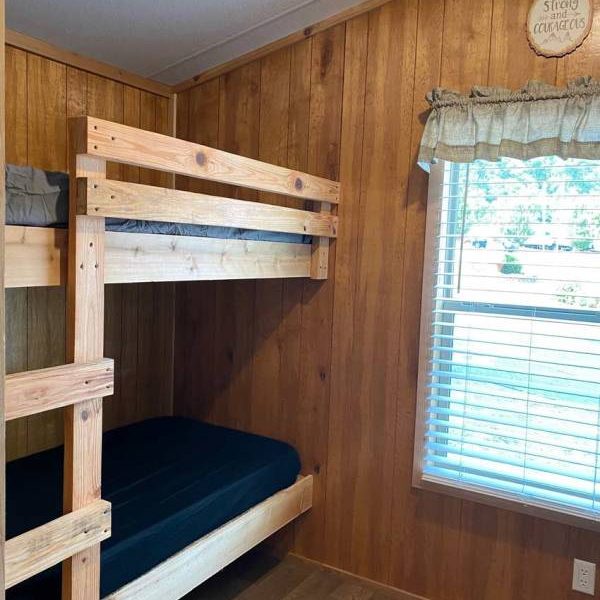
(464, 491)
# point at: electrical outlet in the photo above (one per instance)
(584, 576)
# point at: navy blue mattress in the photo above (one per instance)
(170, 481)
(37, 198)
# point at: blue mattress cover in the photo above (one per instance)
(170, 481)
(38, 198)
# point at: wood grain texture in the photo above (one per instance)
(36, 550)
(31, 392)
(82, 483)
(40, 95)
(145, 257)
(2, 306)
(134, 201)
(358, 431)
(36, 46)
(35, 256)
(123, 144)
(274, 47)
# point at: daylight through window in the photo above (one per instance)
(511, 382)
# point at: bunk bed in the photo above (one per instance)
(183, 499)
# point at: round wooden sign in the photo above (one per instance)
(557, 27)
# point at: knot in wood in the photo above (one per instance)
(201, 158)
(298, 184)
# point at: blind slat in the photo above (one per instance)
(513, 364)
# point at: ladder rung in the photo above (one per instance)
(46, 546)
(32, 392)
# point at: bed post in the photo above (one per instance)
(319, 260)
(85, 342)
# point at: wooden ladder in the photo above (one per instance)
(79, 387)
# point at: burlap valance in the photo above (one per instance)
(491, 123)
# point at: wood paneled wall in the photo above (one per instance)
(332, 367)
(40, 95)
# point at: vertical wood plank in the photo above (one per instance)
(266, 403)
(16, 106)
(126, 410)
(85, 342)
(466, 35)
(155, 308)
(324, 133)
(16, 360)
(16, 299)
(238, 132)
(339, 488)
(46, 114)
(46, 149)
(2, 313)
(584, 61)
(105, 101)
(297, 158)
(196, 350)
(145, 306)
(512, 63)
(418, 520)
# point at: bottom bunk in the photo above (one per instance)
(187, 499)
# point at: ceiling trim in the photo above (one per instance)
(36, 46)
(307, 32)
(240, 35)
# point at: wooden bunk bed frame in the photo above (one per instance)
(85, 258)
(38, 256)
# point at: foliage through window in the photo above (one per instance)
(511, 377)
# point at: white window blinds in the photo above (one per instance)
(510, 369)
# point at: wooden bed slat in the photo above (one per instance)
(149, 203)
(142, 257)
(46, 546)
(32, 392)
(187, 569)
(37, 257)
(128, 145)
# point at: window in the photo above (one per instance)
(509, 385)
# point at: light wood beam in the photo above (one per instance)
(38, 258)
(32, 392)
(128, 145)
(187, 569)
(149, 203)
(46, 546)
(319, 263)
(85, 342)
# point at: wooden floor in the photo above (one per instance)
(260, 577)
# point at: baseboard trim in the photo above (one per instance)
(396, 593)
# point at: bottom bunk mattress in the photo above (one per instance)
(170, 481)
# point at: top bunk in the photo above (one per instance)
(282, 242)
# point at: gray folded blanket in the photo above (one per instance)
(38, 198)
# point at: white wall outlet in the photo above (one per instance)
(584, 576)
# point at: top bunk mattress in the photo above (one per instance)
(170, 481)
(37, 198)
